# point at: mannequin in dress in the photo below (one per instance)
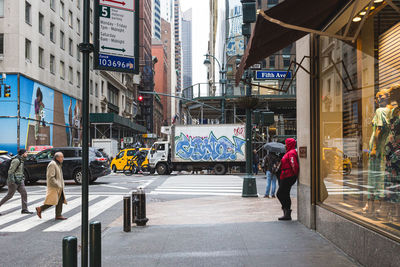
(377, 159)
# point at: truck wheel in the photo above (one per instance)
(162, 169)
(220, 169)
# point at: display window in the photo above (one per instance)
(359, 118)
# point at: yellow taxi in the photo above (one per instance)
(119, 162)
(335, 160)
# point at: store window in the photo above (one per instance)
(360, 117)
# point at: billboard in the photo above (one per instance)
(47, 117)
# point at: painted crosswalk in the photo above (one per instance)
(201, 185)
(13, 221)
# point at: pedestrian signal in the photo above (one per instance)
(7, 91)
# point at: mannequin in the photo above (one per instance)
(392, 152)
(377, 159)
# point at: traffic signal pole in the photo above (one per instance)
(86, 48)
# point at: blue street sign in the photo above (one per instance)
(272, 75)
(116, 62)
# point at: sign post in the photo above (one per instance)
(116, 35)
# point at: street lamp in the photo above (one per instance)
(222, 81)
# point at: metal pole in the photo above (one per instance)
(86, 48)
(223, 95)
(95, 244)
(70, 251)
(127, 214)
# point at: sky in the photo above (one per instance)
(200, 31)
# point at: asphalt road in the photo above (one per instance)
(25, 240)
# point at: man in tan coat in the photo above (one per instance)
(55, 187)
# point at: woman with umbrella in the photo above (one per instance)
(271, 164)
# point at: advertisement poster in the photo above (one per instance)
(47, 117)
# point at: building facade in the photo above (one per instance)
(156, 19)
(40, 55)
(166, 39)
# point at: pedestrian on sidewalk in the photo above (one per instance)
(15, 181)
(55, 187)
(289, 174)
(271, 166)
(256, 161)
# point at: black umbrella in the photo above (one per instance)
(275, 147)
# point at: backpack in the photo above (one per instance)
(7, 164)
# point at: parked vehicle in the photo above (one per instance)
(335, 161)
(3, 170)
(121, 160)
(199, 147)
(35, 166)
(109, 146)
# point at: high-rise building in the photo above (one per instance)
(187, 48)
(43, 65)
(178, 44)
(156, 19)
(167, 10)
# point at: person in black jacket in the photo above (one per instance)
(271, 168)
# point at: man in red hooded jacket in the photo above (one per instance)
(289, 174)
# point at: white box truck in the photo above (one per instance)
(215, 147)
(110, 146)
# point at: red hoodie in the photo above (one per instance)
(289, 162)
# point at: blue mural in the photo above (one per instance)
(208, 148)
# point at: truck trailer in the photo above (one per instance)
(217, 147)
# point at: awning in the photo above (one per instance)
(268, 37)
(101, 118)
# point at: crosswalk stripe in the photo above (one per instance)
(34, 221)
(75, 221)
(194, 193)
(198, 190)
(11, 204)
(6, 218)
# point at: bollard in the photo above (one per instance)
(141, 219)
(127, 214)
(135, 201)
(70, 251)
(95, 244)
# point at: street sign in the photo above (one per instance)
(116, 38)
(272, 75)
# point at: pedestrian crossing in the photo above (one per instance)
(205, 185)
(13, 221)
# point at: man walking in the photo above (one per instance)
(15, 181)
(55, 187)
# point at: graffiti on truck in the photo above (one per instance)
(197, 148)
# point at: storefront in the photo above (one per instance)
(348, 97)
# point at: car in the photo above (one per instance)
(119, 162)
(35, 165)
(3, 172)
(335, 161)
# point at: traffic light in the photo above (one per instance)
(7, 91)
(140, 99)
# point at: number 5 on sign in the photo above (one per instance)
(105, 11)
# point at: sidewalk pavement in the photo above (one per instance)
(218, 231)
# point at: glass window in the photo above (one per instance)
(1, 8)
(131, 153)
(359, 87)
(120, 155)
(161, 147)
(78, 78)
(70, 75)
(70, 19)
(41, 21)
(52, 33)
(96, 90)
(62, 70)
(48, 154)
(78, 26)
(71, 47)
(62, 41)
(28, 13)
(52, 64)
(28, 54)
(78, 4)
(2, 44)
(91, 87)
(53, 4)
(41, 55)
(272, 62)
(61, 9)
(78, 53)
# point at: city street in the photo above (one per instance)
(39, 240)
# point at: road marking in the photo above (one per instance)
(75, 221)
(34, 221)
(114, 186)
(6, 218)
(197, 190)
(194, 193)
